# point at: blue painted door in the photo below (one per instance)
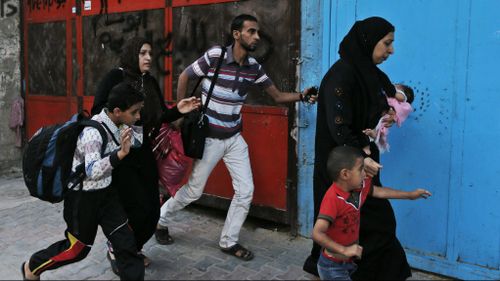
(478, 234)
(449, 52)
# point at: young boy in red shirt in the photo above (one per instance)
(337, 226)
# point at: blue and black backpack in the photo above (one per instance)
(48, 158)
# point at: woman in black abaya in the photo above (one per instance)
(352, 97)
(137, 175)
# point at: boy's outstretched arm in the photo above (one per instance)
(389, 193)
(319, 235)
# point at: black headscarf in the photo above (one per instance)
(357, 48)
(129, 58)
(152, 112)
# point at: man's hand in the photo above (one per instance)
(310, 95)
(126, 142)
(371, 167)
(188, 104)
(419, 193)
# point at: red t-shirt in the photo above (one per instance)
(341, 209)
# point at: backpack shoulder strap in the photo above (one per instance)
(111, 133)
(99, 126)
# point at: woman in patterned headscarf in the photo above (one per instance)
(352, 97)
(137, 176)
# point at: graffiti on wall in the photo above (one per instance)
(164, 45)
(47, 58)
(194, 30)
(194, 38)
(6, 79)
(45, 5)
(107, 35)
(104, 6)
(197, 28)
(7, 9)
(112, 29)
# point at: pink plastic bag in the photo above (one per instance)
(172, 164)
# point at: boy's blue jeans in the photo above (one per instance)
(330, 270)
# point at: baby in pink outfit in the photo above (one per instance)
(400, 109)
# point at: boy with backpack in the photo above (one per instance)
(94, 202)
(337, 227)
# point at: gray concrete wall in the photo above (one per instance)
(10, 81)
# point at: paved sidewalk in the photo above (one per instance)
(28, 225)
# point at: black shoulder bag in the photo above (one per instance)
(194, 129)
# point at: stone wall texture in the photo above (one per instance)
(10, 81)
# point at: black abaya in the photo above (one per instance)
(352, 97)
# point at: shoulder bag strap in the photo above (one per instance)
(214, 79)
(196, 87)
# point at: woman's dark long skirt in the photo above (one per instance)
(383, 256)
(136, 179)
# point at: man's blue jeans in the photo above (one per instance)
(330, 270)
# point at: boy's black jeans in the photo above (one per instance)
(84, 211)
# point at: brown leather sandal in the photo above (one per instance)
(163, 237)
(238, 251)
